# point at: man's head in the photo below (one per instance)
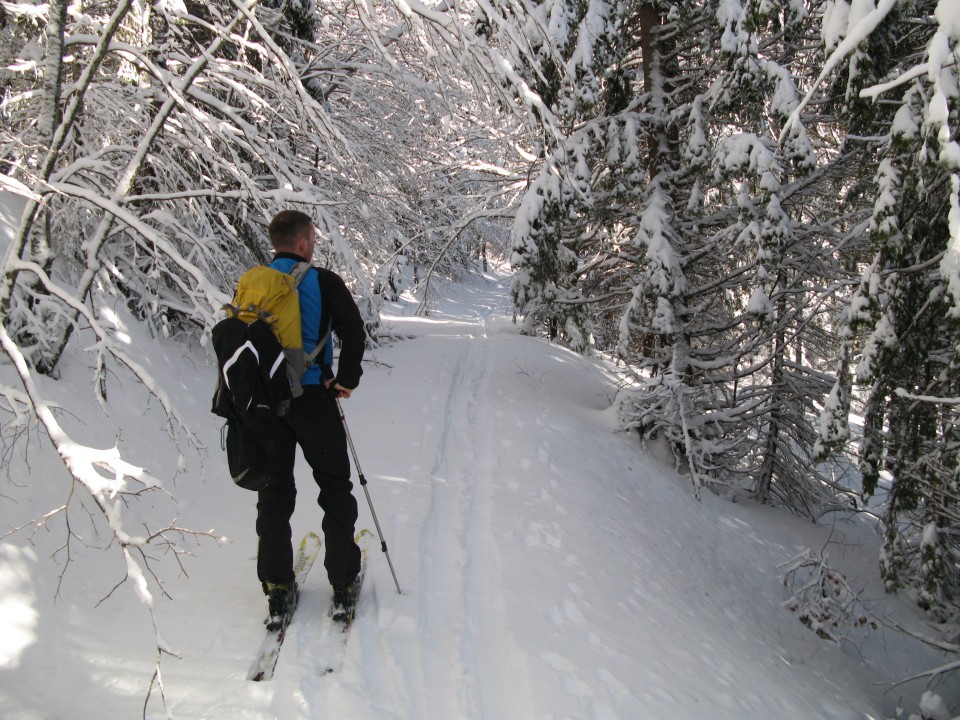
(292, 231)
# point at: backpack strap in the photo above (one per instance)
(311, 356)
(299, 271)
(321, 346)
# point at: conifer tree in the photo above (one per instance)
(680, 237)
(900, 327)
(567, 52)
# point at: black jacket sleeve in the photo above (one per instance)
(339, 306)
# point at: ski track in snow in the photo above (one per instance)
(444, 650)
(464, 652)
(466, 662)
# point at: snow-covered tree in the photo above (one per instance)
(671, 223)
(900, 67)
(564, 62)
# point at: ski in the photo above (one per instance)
(266, 660)
(332, 645)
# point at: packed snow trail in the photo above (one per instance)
(551, 567)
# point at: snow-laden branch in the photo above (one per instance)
(293, 76)
(110, 481)
(482, 57)
(59, 137)
(214, 297)
(856, 35)
(106, 344)
(903, 393)
(102, 472)
(16, 403)
(822, 598)
(125, 182)
(874, 92)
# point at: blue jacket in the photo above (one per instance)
(326, 303)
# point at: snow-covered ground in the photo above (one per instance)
(550, 567)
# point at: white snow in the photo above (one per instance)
(950, 265)
(906, 123)
(835, 16)
(759, 303)
(18, 618)
(948, 16)
(550, 567)
(933, 708)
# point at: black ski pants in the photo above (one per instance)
(313, 422)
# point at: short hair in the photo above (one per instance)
(286, 228)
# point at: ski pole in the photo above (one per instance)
(363, 484)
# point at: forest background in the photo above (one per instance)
(752, 206)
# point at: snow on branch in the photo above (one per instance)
(855, 35)
(17, 404)
(105, 343)
(318, 114)
(902, 392)
(110, 481)
(213, 296)
(73, 109)
(822, 598)
(102, 472)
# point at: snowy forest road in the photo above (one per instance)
(550, 567)
(463, 629)
(458, 664)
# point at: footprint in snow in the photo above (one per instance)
(571, 683)
(539, 535)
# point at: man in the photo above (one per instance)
(313, 422)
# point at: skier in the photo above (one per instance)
(313, 423)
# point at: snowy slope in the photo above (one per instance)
(550, 567)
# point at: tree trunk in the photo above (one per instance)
(51, 112)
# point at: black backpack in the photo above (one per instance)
(253, 392)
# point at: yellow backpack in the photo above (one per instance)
(267, 294)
